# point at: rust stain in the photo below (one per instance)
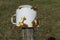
(34, 8)
(35, 23)
(19, 7)
(22, 22)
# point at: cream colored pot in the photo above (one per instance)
(25, 16)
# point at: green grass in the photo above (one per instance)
(48, 13)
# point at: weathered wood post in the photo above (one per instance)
(26, 18)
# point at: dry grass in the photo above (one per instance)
(48, 13)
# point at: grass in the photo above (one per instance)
(48, 13)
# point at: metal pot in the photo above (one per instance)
(25, 15)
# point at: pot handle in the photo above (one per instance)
(12, 19)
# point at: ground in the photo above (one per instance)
(48, 13)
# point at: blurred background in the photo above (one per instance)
(48, 14)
